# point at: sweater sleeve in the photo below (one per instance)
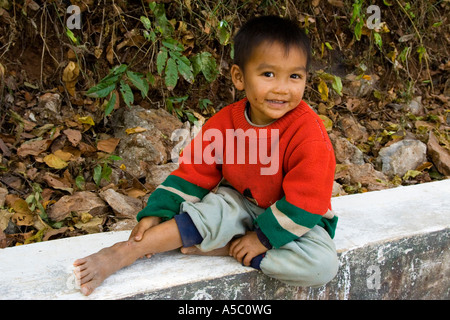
(307, 188)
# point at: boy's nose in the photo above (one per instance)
(281, 88)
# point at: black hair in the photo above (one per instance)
(269, 29)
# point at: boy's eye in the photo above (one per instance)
(296, 76)
(268, 74)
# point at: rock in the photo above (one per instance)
(439, 155)
(338, 190)
(356, 86)
(352, 129)
(157, 174)
(365, 174)
(123, 224)
(345, 151)
(415, 106)
(49, 108)
(79, 202)
(122, 205)
(152, 146)
(51, 102)
(402, 156)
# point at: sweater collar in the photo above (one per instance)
(241, 119)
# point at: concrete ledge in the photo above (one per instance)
(392, 244)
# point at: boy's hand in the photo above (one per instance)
(244, 249)
(142, 226)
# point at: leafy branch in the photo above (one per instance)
(116, 79)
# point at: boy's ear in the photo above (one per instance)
(237, 76)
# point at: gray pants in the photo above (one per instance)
(309, 261)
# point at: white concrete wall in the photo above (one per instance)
(370, 226)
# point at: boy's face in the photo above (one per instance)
(274, 81)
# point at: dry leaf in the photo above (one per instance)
(22, 219)
(86, 120)
(135, 193)
(56, 182)
(323, 90)
(2, 71)
(94, 225)
(70, 76)
(135, 130)
(110, 53)
(86, 148)
(66, 156)
(54, 232)
(328, 123)
(21, 206)
(108, 145)
(74, 136)
(33, 148)
(55, 162)
(336, 3)
(5, 216)
(85, 217)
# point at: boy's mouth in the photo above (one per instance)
(276, 102)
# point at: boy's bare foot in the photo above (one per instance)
(224, 251)
(92, 270)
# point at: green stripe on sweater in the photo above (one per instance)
(166, 204)
(284, 222)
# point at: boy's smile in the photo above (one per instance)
(274, 80)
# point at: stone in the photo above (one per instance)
(338, 190)
(345, 151)
(356, 86)
(402, 156)
(157, 174)
(122, 205)
(49, 108)
(51, 102)
(415, 106)
(365, 174)
(438, 154)
(152, 146)
(123, 224)
(79, 202)
(352, 129)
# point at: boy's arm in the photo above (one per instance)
(307, 186)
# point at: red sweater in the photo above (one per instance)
(288, 169)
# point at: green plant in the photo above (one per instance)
(103, 169)
(357, 18)
(336, 84)
(170, 60)
(119, 76)
(34, 201)
(204, 103)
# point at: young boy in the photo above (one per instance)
(255, 183)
